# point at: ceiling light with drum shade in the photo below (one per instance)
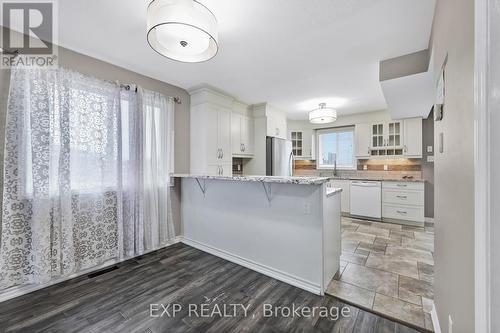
(322, 115)
(182, 30)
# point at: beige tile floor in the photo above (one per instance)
(388, 268)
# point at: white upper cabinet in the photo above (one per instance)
(302, 143)
(276, 123)
(224, 133)
(387, 135)
(210, 134)
(363, 138)
(241, 134)
(393, 138)
(412, 132)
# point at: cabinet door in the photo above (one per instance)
(297, 138)
(236, 133)
(281, 126)
(377, 135)
(212, 130)
(213, 170)
(344, 196)
(226, 169)
(412, 145)
(363, 137)
(224, 125)
(394, 134)
(247, 135)
(272, 129)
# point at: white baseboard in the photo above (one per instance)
(22, 290)
(271, 272)
(435, 320)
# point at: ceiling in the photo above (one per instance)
(290, 53)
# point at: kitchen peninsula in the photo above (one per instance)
(285, 227)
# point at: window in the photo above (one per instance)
(297, 142)
(336, 145)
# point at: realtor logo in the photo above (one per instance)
(29, 31)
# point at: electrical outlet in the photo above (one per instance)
(429, 149)
(430, 159)
(450, 324)
(385, 167)
(365, 167)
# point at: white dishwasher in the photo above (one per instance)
(366, 199)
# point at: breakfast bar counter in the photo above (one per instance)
(284, 227)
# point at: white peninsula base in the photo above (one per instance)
(286, 228)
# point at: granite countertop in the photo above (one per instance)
(263, 179)
(384, 179)
(332, 190)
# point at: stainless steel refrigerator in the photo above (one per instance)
(279, 157)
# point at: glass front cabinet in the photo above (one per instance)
(387, 139)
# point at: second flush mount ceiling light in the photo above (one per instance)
(322, 115)
(182, 30)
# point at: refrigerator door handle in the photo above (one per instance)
(291, 161)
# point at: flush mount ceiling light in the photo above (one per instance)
(182, 30)
(322, 115)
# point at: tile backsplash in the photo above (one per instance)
(396, 168)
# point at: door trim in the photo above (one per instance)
(482, 176)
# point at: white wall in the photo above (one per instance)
(453, 36)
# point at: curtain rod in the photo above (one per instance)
(177, 100)
(12, 53)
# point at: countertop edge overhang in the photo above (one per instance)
(262, 179)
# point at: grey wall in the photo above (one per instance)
(405, 65)
(453, 36)
(428, 167)
(106, 71)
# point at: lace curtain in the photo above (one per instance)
(76, 183)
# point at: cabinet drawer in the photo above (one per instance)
(401, 212)
(414, 198)
(403, 185)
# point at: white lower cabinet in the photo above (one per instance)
(403, 201)
(225, 169)
(344, 184)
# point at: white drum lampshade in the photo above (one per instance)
(182, 30)
(322, 115)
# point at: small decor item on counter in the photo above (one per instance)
(407, 177)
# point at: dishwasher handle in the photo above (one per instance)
(365, 184)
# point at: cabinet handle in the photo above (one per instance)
(401, 196)
(401, 212)
(218, 153)
(405, 149)
(401, 185)
(221, 153)
(221, 170)
(244, 148)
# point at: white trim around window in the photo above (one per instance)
(319, 153)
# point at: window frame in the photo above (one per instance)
(321, 131)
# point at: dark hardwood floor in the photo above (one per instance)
(119, 301)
